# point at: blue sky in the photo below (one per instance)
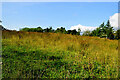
(16, 15)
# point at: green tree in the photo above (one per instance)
(86, 33)
(79, 30)
(96, 32)
(117, 34)
(39, 29)
(74, 32)
(48, 30)
(61, 30)
(109, 30)
(69, 32)
(103, 30)
(108, 24)
(102, 25)
(24, 29)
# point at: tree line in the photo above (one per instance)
(103, 31)
(50, 29)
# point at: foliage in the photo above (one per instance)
(48, 30)
(58, 30)
(86, 33)
(39, 29)
(73, 32)
(117, 34)
(61, 30)
(104, 30)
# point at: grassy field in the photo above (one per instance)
(54, 55)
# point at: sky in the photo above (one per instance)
(71, 15)
(59, 0)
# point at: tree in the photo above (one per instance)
(74, 32)
(104, 30)
(107, 27)
(102, 25)
(108, 24)
(110, 34)
(39, 29)
(24, 29)
(117, 34)
(69, 32)
(79, 30)
(86, 33)
(96, 32)
(48, 30)
(61, 30)
(109, 30)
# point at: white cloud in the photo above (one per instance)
(114, 20)
(83, 28)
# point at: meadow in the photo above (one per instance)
(57, 55)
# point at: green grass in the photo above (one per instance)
(49, 55)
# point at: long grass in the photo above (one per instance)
(55, 55)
